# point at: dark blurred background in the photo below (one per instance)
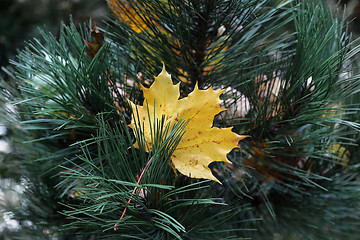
(20, 20)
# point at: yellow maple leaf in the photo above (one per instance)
(201, 143)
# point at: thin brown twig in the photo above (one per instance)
(128, 203)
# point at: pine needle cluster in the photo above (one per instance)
(291, 86)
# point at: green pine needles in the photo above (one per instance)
(290, 85)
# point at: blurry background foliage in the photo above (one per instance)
(20, 20)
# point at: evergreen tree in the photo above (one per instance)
(93, 169)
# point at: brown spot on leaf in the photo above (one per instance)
(193, 162)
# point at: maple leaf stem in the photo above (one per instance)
(132, 194)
